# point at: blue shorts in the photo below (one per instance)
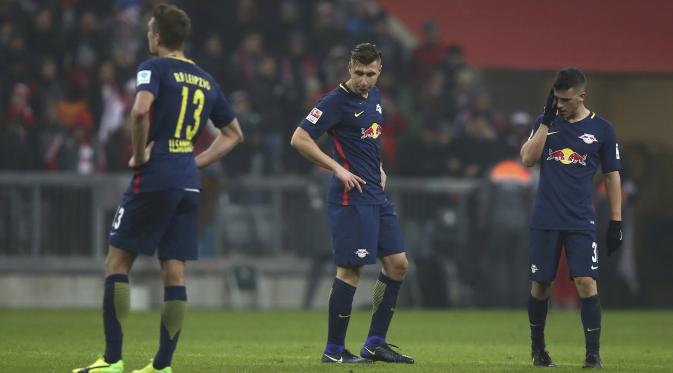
(362, 233)
(165, 221)
(545, 250)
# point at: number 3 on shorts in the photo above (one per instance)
(118, 218)
(594, 246)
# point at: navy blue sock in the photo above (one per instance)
(116, 300)
(172, 317)
(591, 321)
(340, 305)
(384, 299)
(537, 315)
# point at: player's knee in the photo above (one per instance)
(540, 290)
(350, 275)
(117, 262)
(401, 267)
(397, 269)
(173, 278)
(586, 286)
(173, 273)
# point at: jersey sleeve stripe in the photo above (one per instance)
(136, 182)
(346, 165)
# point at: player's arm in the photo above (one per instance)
(384, 177)
(226, 140)
(307, 147)
(531, 151)
(613, 184)
(140, 124)
(613, 188)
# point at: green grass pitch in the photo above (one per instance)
(292, 341)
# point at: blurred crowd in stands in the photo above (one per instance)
(68, 69)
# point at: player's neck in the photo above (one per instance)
(164, 52)
(581, 113)
(349, 84)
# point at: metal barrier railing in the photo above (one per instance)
(68, 215)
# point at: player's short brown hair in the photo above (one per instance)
(365, 53)
(172, 24)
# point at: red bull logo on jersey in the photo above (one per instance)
(373, 132)
(567, 156)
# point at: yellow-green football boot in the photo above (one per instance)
(102, 366)
(150, 369)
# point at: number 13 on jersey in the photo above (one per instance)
(198, 99)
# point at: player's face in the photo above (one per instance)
(364, 77)
(152, 37)
(569, 101)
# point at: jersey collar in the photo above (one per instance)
(180, 59)
(345, 88)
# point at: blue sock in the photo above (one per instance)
(591, 321)
(172, 316)
(116, 300)
(340, 305)
(383, 306)
(537, 315)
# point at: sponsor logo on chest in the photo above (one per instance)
(567, 156)
(373, 132)
(588, 138)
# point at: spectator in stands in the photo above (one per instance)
(453, 62)
(267, 94)
(16, 153)
(211, 58)
(19, 111)
(429, 53)
(360, 20)
(327, 30)
(47, 86)
(392, 51)
(480, 106)
(46, 34)
(297, 66)
(245, 59)
(114, 105)
(504, 202)
(515, 133)
(476, 149)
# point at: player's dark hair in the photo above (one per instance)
(172, 24)
(365, 53)
(570, 77)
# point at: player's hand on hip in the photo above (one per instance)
(614, 236)
(350, 181)
(550, 110)
(133, 163)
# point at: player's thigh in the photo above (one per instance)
(355, 230)
(180, 239)
(543, 254)
(582, 254)
(390, 232)
(140, 221)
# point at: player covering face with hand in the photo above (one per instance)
(570, 141)
(363, 221)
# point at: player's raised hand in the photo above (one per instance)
(350, 181)
(614, 236)
(148, 151)
(550, 110)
